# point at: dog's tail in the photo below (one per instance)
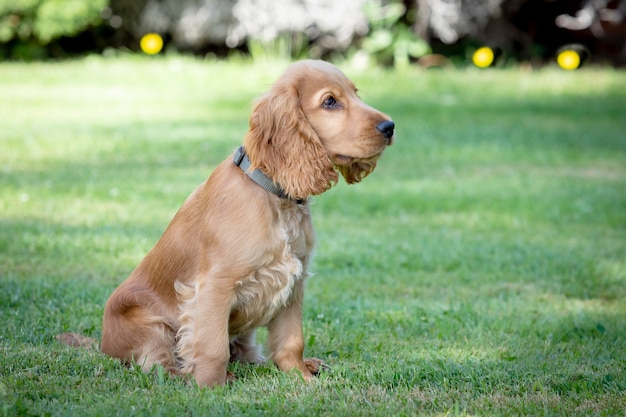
(78, 341)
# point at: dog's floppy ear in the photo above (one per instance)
(358, 169)
(285, 147)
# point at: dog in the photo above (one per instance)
(236, 254)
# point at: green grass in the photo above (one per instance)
(481, 270)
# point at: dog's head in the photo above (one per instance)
(312, 124)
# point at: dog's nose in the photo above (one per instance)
(386, 128)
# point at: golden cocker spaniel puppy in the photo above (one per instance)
(235, 256)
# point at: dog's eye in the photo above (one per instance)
(330, 103)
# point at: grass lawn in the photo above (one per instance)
(481, 270)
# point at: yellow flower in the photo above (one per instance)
(483, 57)
(151, 43)
(568, 59)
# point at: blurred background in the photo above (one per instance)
(381, 32)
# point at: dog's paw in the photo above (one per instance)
(316, 366)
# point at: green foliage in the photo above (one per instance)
(45, 20)
(478, 271)
(391, 41)
(284, 47)
(57, 18)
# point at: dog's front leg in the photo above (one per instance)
(203, 345)
(286, 341)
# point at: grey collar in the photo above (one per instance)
(241, 160)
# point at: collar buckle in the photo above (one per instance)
(239, 155)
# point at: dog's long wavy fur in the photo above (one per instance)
(235, 256)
